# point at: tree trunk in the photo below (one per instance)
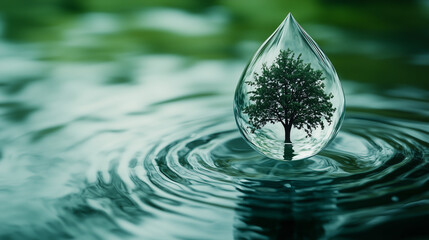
(288, 149)
(287, 133)
(288, 152)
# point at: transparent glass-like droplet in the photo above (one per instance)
(289, 103)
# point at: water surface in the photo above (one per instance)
(143, 145)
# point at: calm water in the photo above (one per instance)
(106, 138)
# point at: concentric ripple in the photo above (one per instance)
(165, 174)
(374, 175)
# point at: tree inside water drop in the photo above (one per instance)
(289, 92)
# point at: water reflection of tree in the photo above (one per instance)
(282, 210)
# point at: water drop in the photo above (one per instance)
(289, 103)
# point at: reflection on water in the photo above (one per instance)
(277, 210)
(146, 147)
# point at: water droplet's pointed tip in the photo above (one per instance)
(290, 16)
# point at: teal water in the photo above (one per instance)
(117, 127)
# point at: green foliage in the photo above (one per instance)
(289, 92)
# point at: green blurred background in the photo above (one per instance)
(381, 42)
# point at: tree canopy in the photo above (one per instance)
(289, 92)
